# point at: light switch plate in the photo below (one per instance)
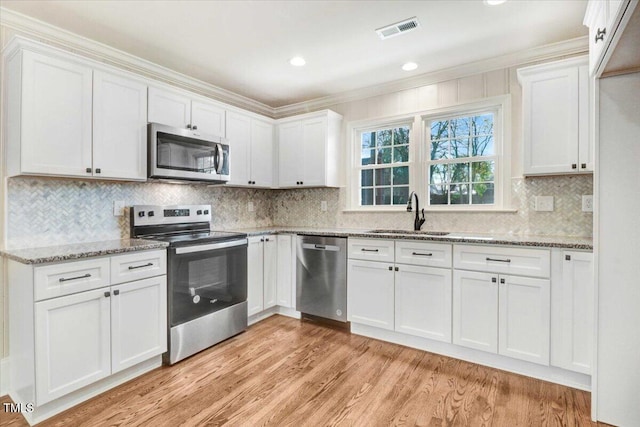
(544, 203)
(250, 207)
(118, 207)
(587, 203)
(323, 206)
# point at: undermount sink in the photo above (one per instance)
(422, 232)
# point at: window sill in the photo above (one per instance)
(430, 210)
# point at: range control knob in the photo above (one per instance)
(141, 214)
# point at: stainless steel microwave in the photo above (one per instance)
(187, 155)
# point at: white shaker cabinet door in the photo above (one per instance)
(239, 136)
(119, 127)
(270, 276)
(285, 270)
(525, 318)
(423, 302)
(475, 310)
(261, 153)
(208, 118)
(255, 275)
(290, 164)
(72, 343)
(138, 321)
(314, 141)
(370, 293)
(56, 116)
(169, 108)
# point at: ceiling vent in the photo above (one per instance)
(398, 28)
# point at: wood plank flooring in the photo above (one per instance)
(287, 372)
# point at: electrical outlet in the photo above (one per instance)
(118, 207)
(587, 203)
(544, 204)
(250, 207)
(323, 206)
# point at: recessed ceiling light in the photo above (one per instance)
(297, 61)
(494, 2)
(410, 66)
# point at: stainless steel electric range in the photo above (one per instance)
(206, 276)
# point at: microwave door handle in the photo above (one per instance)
(219, 158)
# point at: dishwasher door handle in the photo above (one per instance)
(317, 247)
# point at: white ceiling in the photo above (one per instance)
(245, 46)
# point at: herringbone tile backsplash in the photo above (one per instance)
(47, 211)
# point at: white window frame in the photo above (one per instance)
(500, 107)
(419, 155)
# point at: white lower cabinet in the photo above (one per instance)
(508, 315)
(423, 302)
(475, 310)
(138, 321)
(370, 293)
(72, 343)
(261, 273)
(285, 271)
(573, 313)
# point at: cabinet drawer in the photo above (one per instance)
(371, 249)
(504, 260)
(423, 253)
(138, 265)
(56, 280)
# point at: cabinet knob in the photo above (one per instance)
(502, 281)
(262, 240)
(194, 127)
(574, 166)
(494, 280)
(116, 292)
(189, 126)
(98, 170)
(107, 294)
(249, 182)
(397, 268)
(88, 170)
(600, 34)
(567, 257)
(390, 268)
(266, 240)
(583, 165)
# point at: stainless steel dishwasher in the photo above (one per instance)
(321, 277)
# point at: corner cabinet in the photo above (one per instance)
(308, 150)
(555, 117)
(67, 117)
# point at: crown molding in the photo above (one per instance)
(69, 41)
(58, 37)
(548, 52)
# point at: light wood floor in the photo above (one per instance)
(284, 371)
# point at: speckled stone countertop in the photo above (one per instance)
(585, 243)
(79, 250)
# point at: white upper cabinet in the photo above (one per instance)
(251, 150)
(555, 115)
(119, 127)
(178, 109)
(66, 117)
(308, 147)
(48, 103)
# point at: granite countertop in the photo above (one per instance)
(568, 242)
(79, 250)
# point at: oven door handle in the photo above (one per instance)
(210, 247)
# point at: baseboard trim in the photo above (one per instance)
(545, 373)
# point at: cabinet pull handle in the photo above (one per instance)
(390, 268)
(567, 257)
(498, 260)
(600, 34)
(116, 292)
(502, 281)
(98, 170)
(107, 294)
(574, 166)
(584, 166)
(88, 170)
(397, 268)
(419, 254)
(133, 267)
(63, 279)
(369, 250)
(494, 280)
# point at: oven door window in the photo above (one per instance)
(205, 282)
(186, 154)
